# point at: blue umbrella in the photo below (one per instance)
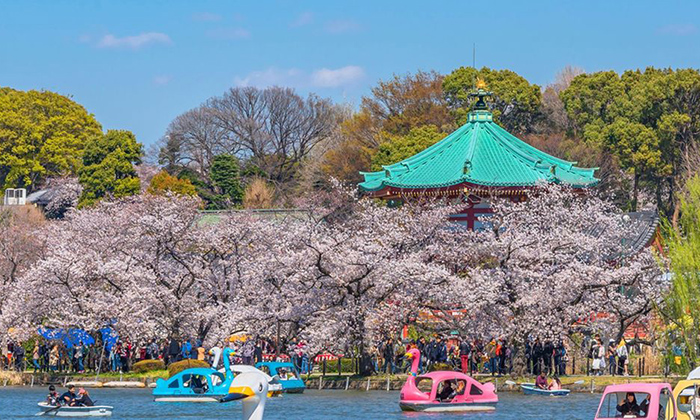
(70, 338)
(109, 337)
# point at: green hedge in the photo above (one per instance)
(177, 367)
(347, 365)
(439, 366)
(148, 365)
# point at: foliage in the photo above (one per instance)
(148, 365)
(163, 182)
(394, 108)
(397, 148)
(177, 367)
(225, 177)
(405, 102)
(258, 195)
(515, 103)
(108, 167)
(682, 304)
(647, 120)
(42, 134)
(440, 366)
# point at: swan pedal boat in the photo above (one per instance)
(475, 397)
(293, 384)
(66, 411)
(531, 389)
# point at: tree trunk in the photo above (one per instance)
(635, 191)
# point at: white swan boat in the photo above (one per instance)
(66, 411)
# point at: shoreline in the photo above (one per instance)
(316, 382)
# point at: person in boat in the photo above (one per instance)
(629, 406)
(68, 396)
(52, 398)
(555, 385)
(541, 381)
(445, 393)
(83, 399)
(459, 390)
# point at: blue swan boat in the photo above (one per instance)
(196, 384)
(288, 375)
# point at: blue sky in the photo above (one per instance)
(138, 64)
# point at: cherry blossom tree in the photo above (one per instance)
(545, 266)
(343, 275)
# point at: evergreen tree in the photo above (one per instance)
(225, 177)
(108, 167)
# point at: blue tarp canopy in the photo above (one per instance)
(71, 337)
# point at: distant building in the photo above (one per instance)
(15, 197)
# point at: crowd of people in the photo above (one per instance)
(44, 355)
(49, 356)
(547, 356)
(471, 356)
(611, 359)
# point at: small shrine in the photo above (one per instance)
(478, 161)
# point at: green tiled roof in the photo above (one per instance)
(482, 153)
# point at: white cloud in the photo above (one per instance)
(302, 20)
(134, 41)
(320, 78)
(341, 26)
(271, 77)
(228, 33)
(337, 77)
(162, 79)
(206, 17)
(678, 29)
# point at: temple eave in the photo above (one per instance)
(463, 188)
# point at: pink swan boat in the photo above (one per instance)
(467, 394)
(637, 400)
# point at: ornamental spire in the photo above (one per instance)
(480, 93)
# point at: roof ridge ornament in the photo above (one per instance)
(480, 93)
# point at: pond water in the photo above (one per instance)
(17, 403)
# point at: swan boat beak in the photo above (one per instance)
(238, 393)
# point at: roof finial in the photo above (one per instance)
(480, 94)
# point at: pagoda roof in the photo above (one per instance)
(479, 153)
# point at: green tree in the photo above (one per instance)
(682, 304)
(397, 148)
(637, 148)
(108, 167)
(225, 177)
(515, 102)
(647, 120)
(42, 134)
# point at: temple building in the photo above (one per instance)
(477, 161)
